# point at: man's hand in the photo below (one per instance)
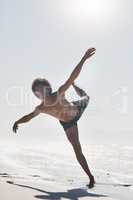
(76, 71)
(89, 53)
(26, 118)
(15, 127)
(73, 84)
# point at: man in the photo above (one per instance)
(68, 113)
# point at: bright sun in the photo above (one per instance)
(93, 10)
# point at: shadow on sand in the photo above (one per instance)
(72, 194)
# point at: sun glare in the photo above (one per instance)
(90, 10)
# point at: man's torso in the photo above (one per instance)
(57, 106)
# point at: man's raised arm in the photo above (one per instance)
(76, 71)
(25, 119)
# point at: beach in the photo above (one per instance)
(40, 172)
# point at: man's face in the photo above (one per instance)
(41, 92)
(39, 95)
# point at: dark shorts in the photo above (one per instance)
(82, 104)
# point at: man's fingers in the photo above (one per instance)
(91, 50)
(14, 130)
(91, 54)
(15, 127)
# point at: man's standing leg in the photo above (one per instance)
(72, 135)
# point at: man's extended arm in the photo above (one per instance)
(76, 71)
(25, 119)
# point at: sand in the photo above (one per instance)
(34, 173)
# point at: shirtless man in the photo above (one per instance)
(68, 113)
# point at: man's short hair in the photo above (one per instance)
(40, 82)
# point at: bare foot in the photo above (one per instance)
(92, 182)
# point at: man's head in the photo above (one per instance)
(41, 88)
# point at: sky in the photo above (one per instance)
(46, 38)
